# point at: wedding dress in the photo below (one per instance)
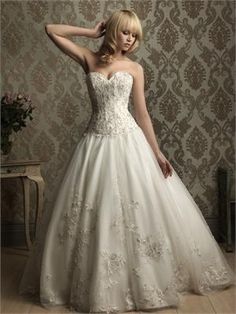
(121, 236)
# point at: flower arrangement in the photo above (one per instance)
(15, 108)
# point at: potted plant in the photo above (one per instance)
(15, 109)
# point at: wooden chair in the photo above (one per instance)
(226, 197)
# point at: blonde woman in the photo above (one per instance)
(125, 234)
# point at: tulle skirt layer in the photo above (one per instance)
(121, 236)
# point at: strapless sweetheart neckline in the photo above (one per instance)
(108, 78)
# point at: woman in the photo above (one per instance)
(125, 234)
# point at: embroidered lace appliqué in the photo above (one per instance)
(113, 262)
(110, 115)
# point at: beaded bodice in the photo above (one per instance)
(110, 98)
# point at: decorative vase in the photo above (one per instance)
(5, 155)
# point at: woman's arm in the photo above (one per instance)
(58, 33)
(144, 121)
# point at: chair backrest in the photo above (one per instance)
(226, 183)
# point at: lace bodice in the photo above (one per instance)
(110, 98)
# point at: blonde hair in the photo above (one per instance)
(119, 21)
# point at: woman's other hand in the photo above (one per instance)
(164, 164)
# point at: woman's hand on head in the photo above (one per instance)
(100, 29)
(165, 165)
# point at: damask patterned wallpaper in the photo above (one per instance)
(188, 58)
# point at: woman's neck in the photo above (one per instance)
(118, 55)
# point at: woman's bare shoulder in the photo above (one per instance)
(137, 69)
(135, 65)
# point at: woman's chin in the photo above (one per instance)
(125, 50)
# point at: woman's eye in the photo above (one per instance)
(127, 33)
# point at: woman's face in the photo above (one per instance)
(125, 39)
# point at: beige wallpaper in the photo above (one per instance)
(188, 57)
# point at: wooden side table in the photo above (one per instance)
(27, 170)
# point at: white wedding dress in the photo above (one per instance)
(121, 236)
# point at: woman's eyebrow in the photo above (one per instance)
(127, 30)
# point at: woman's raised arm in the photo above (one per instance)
(58, 33)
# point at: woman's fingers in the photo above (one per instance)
(167, 169)
(102, 33)
(102, 25)
(165, 165)
(170, 170)
(164, 169)
(100, 29)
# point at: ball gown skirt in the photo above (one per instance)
(121, 237)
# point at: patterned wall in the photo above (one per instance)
(188, 57)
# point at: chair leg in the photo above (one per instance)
(229, 244)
